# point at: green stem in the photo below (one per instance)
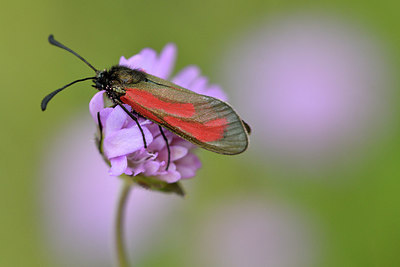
(119, 224)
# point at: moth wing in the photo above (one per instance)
(203, 120)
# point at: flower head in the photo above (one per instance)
(122, 141)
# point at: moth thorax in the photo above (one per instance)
(118, 90)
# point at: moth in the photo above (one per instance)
(206, 121)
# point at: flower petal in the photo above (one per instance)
(96, 104)
(148, 60)
(182, 142)
(123, 61)
(166, 62)
(128, 171)
(133, 62)
(118, 165)
(186, 172)
(198, 85)
(138, 169)
(170, 176)
(104, 115)
(115, 120)
(188, 165)
(125, 141)
(178, 152)
(157, 144)
(186, 76)
(216, 91)
(151, 168)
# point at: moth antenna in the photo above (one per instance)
(47, 98)
(56, 43)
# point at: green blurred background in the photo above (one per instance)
(356, 220)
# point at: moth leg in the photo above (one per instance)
(166, 141)
(100, 140)
(137, 122)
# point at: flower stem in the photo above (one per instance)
(119, 224)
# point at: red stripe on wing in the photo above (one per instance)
(150, 101)
(127, 99)
(179, 116)
(207, 132)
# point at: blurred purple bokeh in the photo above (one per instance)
(78, 200)
(246, 231)
(315, 88)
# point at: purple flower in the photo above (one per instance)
(122, 144)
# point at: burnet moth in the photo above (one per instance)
(203, 120)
